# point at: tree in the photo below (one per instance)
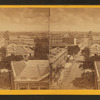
(73, 50)
(86, 52)
(3, 52)
(42, 48)
(76, 49)
(89, 63)
(5, 63)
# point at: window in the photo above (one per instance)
(44, 85)
(33, 86)
(23, 86)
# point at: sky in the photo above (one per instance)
(75, 19)
(24, 19)
(61, 19)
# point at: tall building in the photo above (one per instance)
(58, 40)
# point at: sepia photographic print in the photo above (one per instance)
(49, 48)
(75, 48)
(24, 48)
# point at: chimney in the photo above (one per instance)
(25, 57)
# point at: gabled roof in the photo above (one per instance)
(20, 50)
(32, 69)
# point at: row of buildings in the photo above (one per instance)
(59, 40)
(13, 49)
(17, 44)
(94, 46)
(58, 58)
(25, 74)
(59, 44)
(39, 74)
(21, 40)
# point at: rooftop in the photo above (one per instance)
(96, 37)
(97, 68)
(56, 53)
(95, 48)
(31, 69)
(18, 49)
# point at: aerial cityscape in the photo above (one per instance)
(24, 49)
(74, 48)
(49, 48)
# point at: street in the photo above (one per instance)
(69, 74)
(75, 72)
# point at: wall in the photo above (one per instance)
(31, 85)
